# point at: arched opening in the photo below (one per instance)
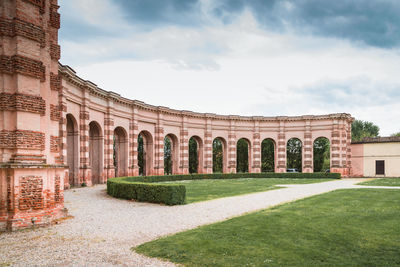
(242, 155)
(145, 153)
(120, 152)
(219, 155)
(72, 150)
(322, 155)
(268, 155)
(171, 154)
(96, 152)
(294, 155)
(195, 155)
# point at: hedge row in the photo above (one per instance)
(169, 194)
(180, 177)
(146, 189)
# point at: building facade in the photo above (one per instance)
(376, 157)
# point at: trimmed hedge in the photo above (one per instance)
(125, 188)
(146, 188)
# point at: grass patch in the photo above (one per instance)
(202, 190)
(353, 227)
(383, 182)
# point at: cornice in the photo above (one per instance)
(70, 75)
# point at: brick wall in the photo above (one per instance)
(22, 65)
(22, 102)
(22, 139)
(55, 82)
(30, 193)
(55, 112)
(54, 144)
(16, 27)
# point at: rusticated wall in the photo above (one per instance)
(85, 103)
(31, 169)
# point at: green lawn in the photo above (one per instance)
(207, 189)
(383, 182)
(353, 227)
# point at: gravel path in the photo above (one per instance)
(103, 229)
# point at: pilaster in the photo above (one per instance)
(231, 148)
(184, 147)
(84, 166)
(208, 147)
(256, 158)
(281, 166)
(308, 155)
(159, 145)
(109, 168)
(133, 144)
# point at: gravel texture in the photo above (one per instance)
(102, 230)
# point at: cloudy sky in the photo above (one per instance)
(254, 57)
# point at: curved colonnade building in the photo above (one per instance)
(95, 120)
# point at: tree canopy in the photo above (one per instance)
(361, 129)
(396, 134)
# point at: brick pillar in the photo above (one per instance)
(281, 166)
(335, 148)
(31, 167)
(184, 147)
(256, 158)
(133, 144)
(62, 118)
(308, 155)
(109, 169)
(84, 172)
(208, 151)
(159, 146)
(231, 149)
(348, 148)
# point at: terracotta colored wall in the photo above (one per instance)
(31, 134)
(389, 152)
(357, 159)
(111, 111)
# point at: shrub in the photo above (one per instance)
(147, 188)
(168, 194)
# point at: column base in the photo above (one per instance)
(345, 172)
(31, 196)
(280, 170)
(308, 170)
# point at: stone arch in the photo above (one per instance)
(321, 154)
(120, 151)
(145, 153)
(173, 153)
(195, 154)
(268, 155)
(243, 155)
(294, 154)
(96, 152)
(72, 150)
(220, 155)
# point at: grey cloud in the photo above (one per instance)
(370, 22)
(356, 92)
(155, 12)
(374, 23)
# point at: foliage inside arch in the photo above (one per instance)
(242, 156)
(218, 156)
(321, 154)
(294, 154)
(267, 156)
(193, 156)
(167, 156)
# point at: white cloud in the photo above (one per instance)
(244, 70)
